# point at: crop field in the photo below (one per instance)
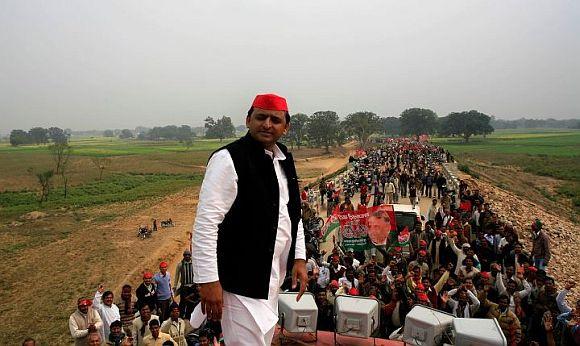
(539, 152)
(132, 170)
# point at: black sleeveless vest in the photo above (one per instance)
(247, 235)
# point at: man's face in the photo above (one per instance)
(462, 297)
(154, 330)
(108, 299)
(116, 330)
(503, 303)
(147, 281)
(334, 262)
(321, 297)
(379, 228)
(518, 249)
(267, 126)
(509, 272)
(145, 313)
(187, 257)
(174, 313)
(126, 293)
(550, 288)
(163, 270)
(94, 339)
(83, 308)
(204, 341)
(349, 275)
(468, 283)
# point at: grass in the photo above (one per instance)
(104, 147)
(548, 153)
(123, 156)
(116, 188)
(572, 191)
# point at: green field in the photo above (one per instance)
(544, 152)
(102, 146)
(134, 170)
(548, 153)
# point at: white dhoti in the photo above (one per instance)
(240, 327)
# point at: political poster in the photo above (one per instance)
(364, 229)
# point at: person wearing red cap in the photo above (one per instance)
(83, 321)
(147, 292)
(421, 262)
(164, 292)
(250, 199)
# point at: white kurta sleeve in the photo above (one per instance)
(218, 192)
(300, 250)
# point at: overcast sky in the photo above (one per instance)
(113, 64)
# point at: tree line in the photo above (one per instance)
(325, 129)
(39, 135)
(321, 129)
(218, 128)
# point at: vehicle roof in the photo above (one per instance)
(407, 208)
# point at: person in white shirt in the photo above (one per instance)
(109, 312)
(461, 253)
(390, 192)
(348, 280)
(324, 277)
(432, 211)
(250, 199)
(466, 303)
(511, 289)
(355, 262)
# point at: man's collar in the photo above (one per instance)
(276, 154)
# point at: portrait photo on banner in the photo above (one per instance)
(362, 230)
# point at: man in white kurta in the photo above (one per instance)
(245, 320)
(108, 311)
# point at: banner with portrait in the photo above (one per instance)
(364, 229)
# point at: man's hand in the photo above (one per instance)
(548, 322)
(101, 288)
(212, 302)
(92, 328)
(299, 273)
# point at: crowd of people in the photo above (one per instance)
(462, 258)
(146, 315)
